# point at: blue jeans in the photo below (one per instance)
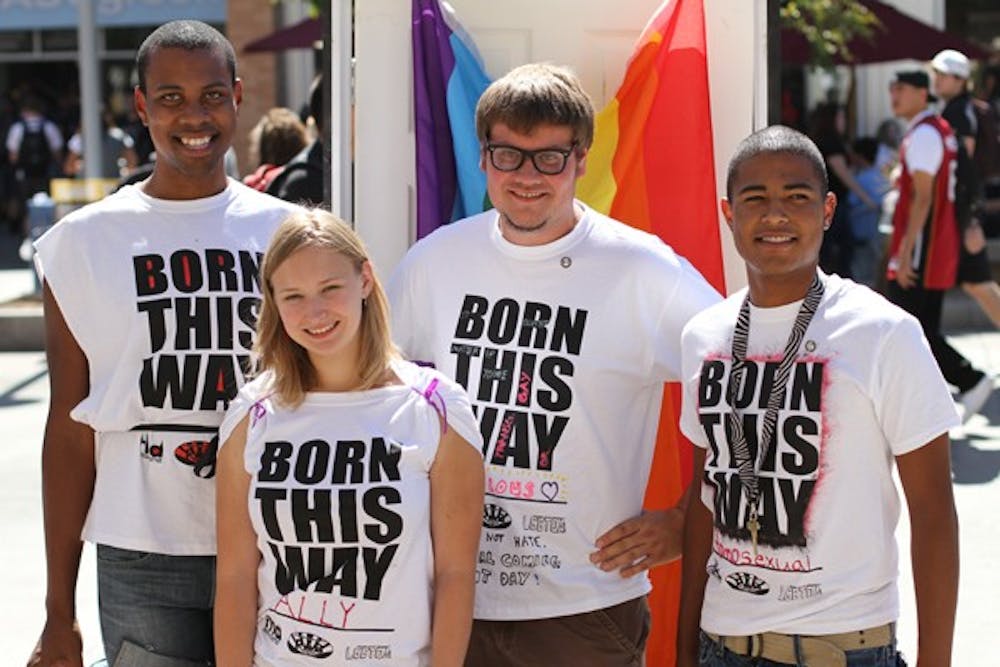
(156, 610)
(712, 654)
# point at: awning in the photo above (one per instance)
(301, 35)
(900, 37)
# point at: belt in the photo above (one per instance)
(815, 650)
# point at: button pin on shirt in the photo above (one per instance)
(566, 262)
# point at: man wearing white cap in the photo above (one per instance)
(924, 249)
(951, 74)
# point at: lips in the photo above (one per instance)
(527, 196)
(321, 331)
(196, 143)
(776, 238)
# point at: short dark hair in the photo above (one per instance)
(187, 35)
(776, 139)
(533, 95)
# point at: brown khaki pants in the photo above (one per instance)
(610, 637)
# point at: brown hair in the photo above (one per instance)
(274, 351)
(277, 137)
(533, 95)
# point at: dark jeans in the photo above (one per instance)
(156, 610)
(925, 305)
(712, 654)
(610, 637)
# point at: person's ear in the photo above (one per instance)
(727, 212)
(829, 207)
(367, 279)
(581, 162)
(140, 105)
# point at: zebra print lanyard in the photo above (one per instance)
(749, 469)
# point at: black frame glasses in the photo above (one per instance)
(544, 160)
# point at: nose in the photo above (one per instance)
(194, 111)
(775, 211)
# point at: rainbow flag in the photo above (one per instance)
(652, 167)
(448, 78)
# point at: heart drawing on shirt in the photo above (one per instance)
(550, 490)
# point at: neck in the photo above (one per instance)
(554, 228)
(774, 291)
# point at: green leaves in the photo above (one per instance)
(829, 26)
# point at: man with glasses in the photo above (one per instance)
(563, 325)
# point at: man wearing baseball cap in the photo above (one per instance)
(923, 252)
(950, 71)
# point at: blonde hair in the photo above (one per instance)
(293, 373)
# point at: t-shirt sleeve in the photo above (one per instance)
(689, 295)
(690, 423)
(459, 413)
(925, 150)
(910, 396)
(61, 265)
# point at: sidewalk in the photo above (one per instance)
(21, 325)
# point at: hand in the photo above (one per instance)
(905, 275)
(637, 544)
(61, 645)
(974, 238)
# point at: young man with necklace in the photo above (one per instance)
(799, 393)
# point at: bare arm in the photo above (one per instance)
(920, 206)
(238, 557)
(650, 539)
(697, 548)
(926, 477)
(839, 166)
(457, 484)
(67, 488)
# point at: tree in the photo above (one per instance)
(829, 26)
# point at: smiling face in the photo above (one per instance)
(535, 208)
(189, 106)
(778, 212)
(318, 293)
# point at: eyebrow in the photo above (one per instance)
(176, 86)
(804, 185)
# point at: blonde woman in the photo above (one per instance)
(350, 489)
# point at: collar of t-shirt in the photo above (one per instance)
(547, 251)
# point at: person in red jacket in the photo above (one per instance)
(923, 253)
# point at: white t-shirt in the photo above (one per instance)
(162, 297)
(340, 501)
(863, 390)
(564, 349)
(924, 150)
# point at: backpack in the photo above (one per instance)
(987, 155)
(34, 155)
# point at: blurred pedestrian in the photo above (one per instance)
(277, 137)
(118, 156)
(34, 149)
(827, 131)
(301, 180)
(923, 253)
(862, 219)
(951, 83)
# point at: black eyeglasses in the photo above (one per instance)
(549, 161)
